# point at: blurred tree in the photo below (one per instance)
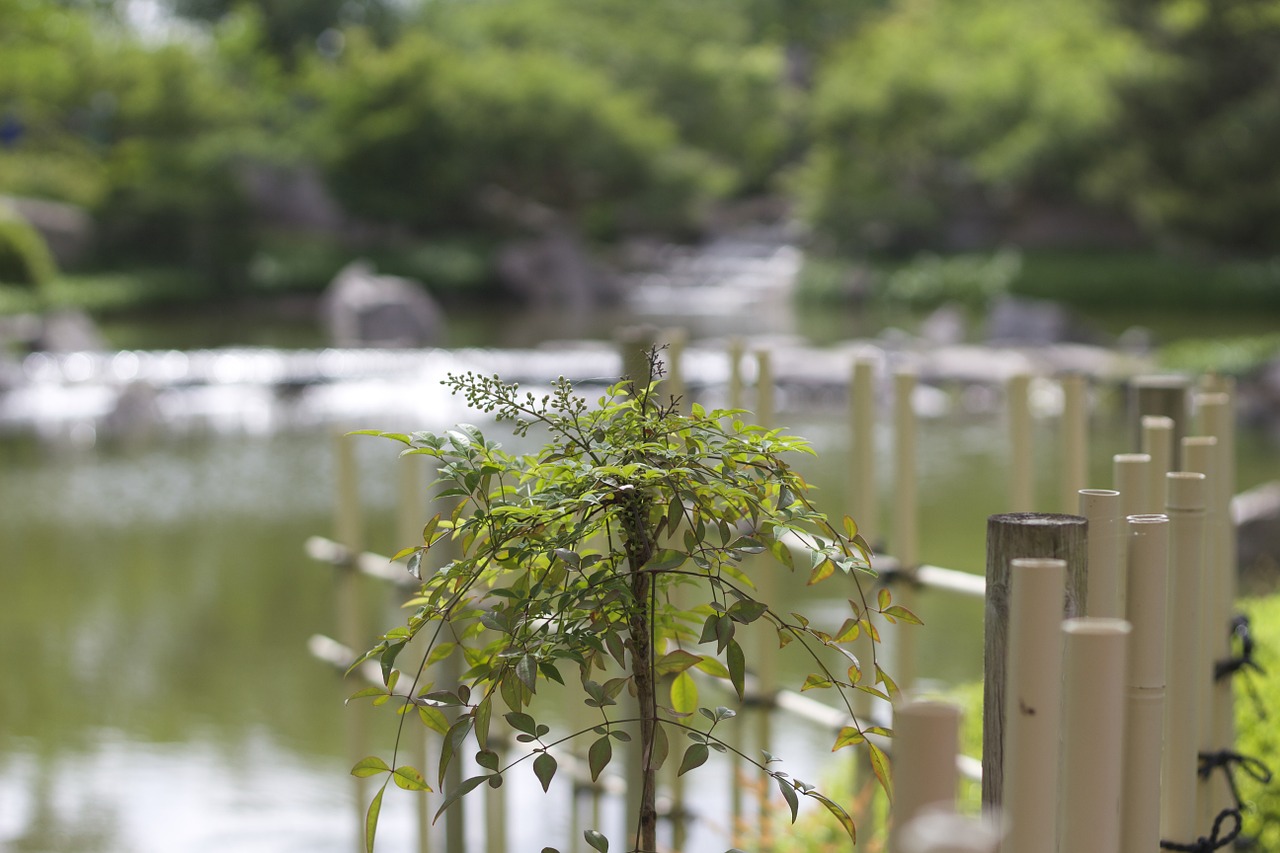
(290, 26)
(417, 133)
(1198, 135)
(935, 108)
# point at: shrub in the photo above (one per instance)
(25, 259)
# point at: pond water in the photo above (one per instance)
(155, 604)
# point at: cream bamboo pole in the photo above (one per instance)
(1130, 477)
(1199, 453)
(349, 532)
(767, 584)
(1075, 425)
(866, 513)
(1033, 702)
(411, 512)
(1164, 395)
(1216, 416)
(735, 354)
(1102, 594)
(1148, 559)
(926, 740)
(906, 522)
(1179, 812)
(1095, 658)
(1157, 442)
(947, 832)
(1021, 467)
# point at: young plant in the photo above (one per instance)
(566, 562)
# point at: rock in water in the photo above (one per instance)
(361, 308)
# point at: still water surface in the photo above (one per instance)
(156, 692)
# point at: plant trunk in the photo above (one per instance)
(639, 545)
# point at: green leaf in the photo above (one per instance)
(410, 779)
(848, 736)
(884, 597)
(737, 664)
(694, 756)
(371, 818)
(684, 694)
(713, 667)
(366, 693)
(789, 794)
(433, 719)
(452, 740)
(897, 611)
(661, 747)
(465, 787)
(816, 682)
(666, 559)
(822, 571)
(483, 716)
(596, 840)
(880, 765)
(544, 767)
(747, 611)
(599, 755)
(388, 659)
(521, 722)
(840, 814)
(676, 662)
(371, 766)
(429, 529)
(488, 759)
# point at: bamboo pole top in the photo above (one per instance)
(1186, 490)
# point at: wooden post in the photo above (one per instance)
(674, 387)
(411, 512)
(1094, 657)
(1157, 442)
(906, 522)
(1075, 425)
(1102, 509)
(1033, 703)
(925, 743)
(865, 509)
(1179, 813)
(734, 355)
(767, 585)
(1148, 564)
(1021, 468)
(1163, 395)
(1010, 536)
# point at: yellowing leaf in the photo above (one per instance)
(684, 694)
(848, 736)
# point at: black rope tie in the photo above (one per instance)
(1213, 841)
(1229, 667)
(1228, 761)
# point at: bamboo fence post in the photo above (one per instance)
(1010, 536)
(947, 832)
(866, 514)
(1130, 476)
(1148, 559)
(349, 532)
(926, 739)
(1033, 703)
(674, 387)
(767, 584)
(1075, 425)
(1216, 416)
(411, 508)
(906, 522)
(1101, 507)
(1163, 395)
(634, 344)
(1021, 469)
(735, 354)
(1179, 811)
(1095, 657)
(1157, 442)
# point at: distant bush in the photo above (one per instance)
(25, 259)
(1235, 355)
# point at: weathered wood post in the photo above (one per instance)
(1075, 438)
(1010, 536)
(906, 517)
(1021, 467)
(1094, 657)
(1162, 395)
(1033, 703)
(1147, 576)
(1101, 507)
(926, 740)
(1157, 442)
(1179, 813)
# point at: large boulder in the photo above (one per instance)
(1018, 321)
(361, 308)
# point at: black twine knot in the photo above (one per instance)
(1213, 841)
(1228, 760)
(1230, 666)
